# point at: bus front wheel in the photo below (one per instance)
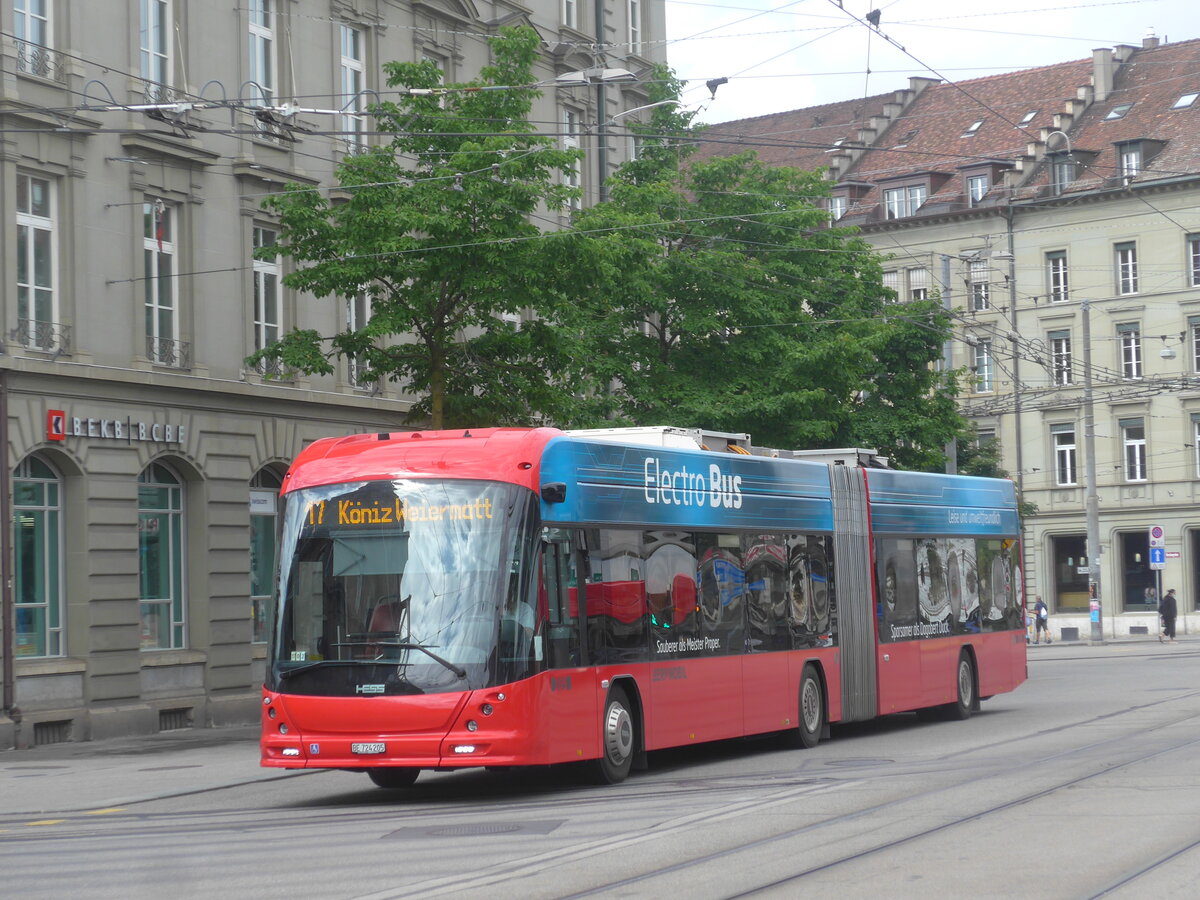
(393, 778)
(618, 734)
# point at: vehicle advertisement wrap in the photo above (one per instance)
(924, 503)
(671, 487)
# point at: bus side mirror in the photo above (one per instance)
(554, 492)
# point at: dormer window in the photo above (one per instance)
(1129, 158)
(838, 206)
(1118, 112)
(970, 132)
(1062, 171)
(977, 188)
(1186, 100)
(904, 201)
(1028, 117)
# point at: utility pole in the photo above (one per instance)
(601, 108)
(948, 361)
(1093, 499)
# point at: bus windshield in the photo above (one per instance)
(397, 587)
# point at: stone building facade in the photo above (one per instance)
(138, 142)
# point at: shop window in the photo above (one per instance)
(1139, 583)
(37, 559)
(160, 558)
(1070, 575)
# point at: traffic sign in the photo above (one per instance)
(1158, 558)
(1158, 537)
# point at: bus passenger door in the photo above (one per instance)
(570, 718)
(564, 644)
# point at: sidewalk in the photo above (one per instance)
(121, 771)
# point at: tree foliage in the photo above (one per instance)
(729, 304)
(435, 227)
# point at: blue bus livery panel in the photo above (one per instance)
(669, 487)
(952, 505)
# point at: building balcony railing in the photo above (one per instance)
(52, 337)
(34, 59)
(166, 352)
(356, 371)
(274, 370)
(154, 92)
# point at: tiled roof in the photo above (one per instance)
(935, 133)
(946, 129)
(801, 138)
(1152, 81)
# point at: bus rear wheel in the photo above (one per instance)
(964, 702)
(811, 709)
(618, 735)
(394, 777)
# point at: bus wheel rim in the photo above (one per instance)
(618, 733)
(810, 705)
(965, 688)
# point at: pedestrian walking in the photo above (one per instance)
(1168, 609)
(1041, 619)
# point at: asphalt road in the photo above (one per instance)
(1082, 783)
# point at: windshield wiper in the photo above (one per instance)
(284, 674)
(403, 645)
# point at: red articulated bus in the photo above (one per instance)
(517, 597)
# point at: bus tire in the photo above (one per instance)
(964, 689)
(618, 739)
(812, 709)
(393, 778)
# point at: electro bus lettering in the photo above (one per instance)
(683, 488)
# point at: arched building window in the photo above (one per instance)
(160, 558)
(37, 551)
(264, 495)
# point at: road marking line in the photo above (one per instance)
(104, 812)
(47, 822)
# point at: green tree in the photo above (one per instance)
(435, 226)
(728, 303)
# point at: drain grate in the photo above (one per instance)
(51, 732)
(469, 830)
(174, 719)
